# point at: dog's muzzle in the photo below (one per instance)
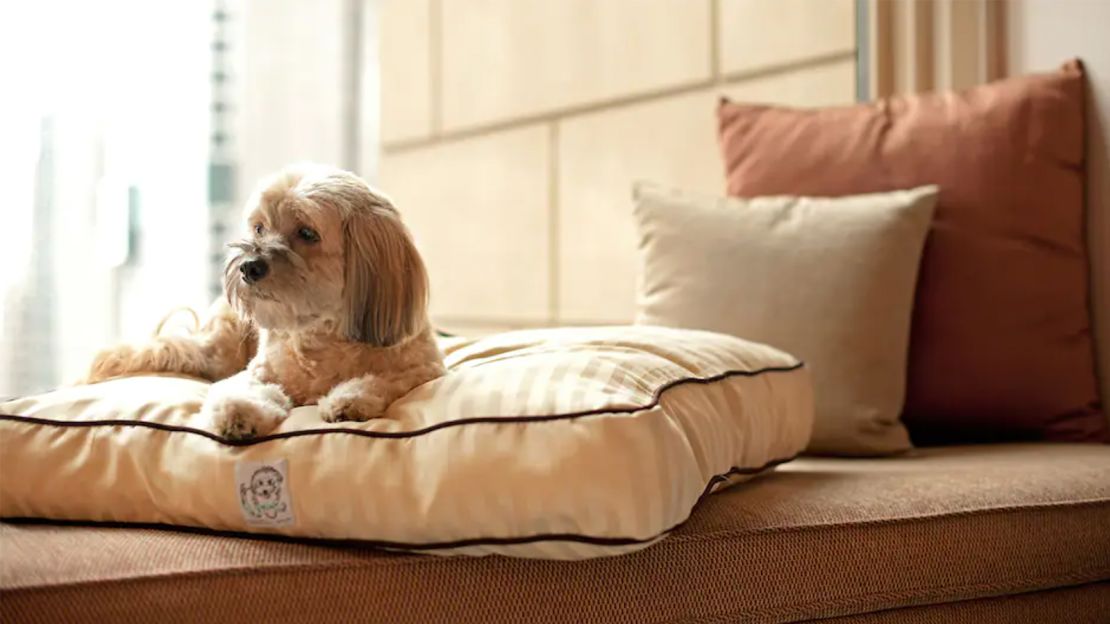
(254, 270)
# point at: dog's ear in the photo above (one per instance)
(386, 285)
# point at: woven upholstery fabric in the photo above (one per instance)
(1082, 604)
(817, 538)
(551, 443)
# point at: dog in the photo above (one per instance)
(325, 302)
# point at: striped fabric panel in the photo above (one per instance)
(560, 443)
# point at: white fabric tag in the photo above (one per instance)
(263, 491)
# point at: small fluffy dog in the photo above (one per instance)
(326, 302)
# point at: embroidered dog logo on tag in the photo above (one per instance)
(264, 493)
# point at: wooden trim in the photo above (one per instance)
(924, 35)
(994, 40)
(963, 41)
(881, 39)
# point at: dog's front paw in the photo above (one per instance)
(346, 404)
(241, 417)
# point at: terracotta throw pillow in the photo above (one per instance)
(1001, 345)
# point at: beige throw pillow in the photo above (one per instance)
(830, 280)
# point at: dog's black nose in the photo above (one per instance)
(254, 270)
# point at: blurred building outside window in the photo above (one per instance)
(132, 132)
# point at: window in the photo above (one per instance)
(138, 131)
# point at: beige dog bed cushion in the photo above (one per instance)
(559, 443)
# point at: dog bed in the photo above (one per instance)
(556, 443)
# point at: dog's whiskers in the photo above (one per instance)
(245, 246)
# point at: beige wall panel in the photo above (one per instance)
(507, 59)
(670, 141)
(829, 84)
(753, 34)
(293, 79)
(406, 81)
(479, 209)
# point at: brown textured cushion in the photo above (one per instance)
(1001, 345)
(819, 538)
(1082, 604)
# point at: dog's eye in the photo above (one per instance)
(308, 235)
(258, 228)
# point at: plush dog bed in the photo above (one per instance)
(561, 443)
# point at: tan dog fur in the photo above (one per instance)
(340, 319)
